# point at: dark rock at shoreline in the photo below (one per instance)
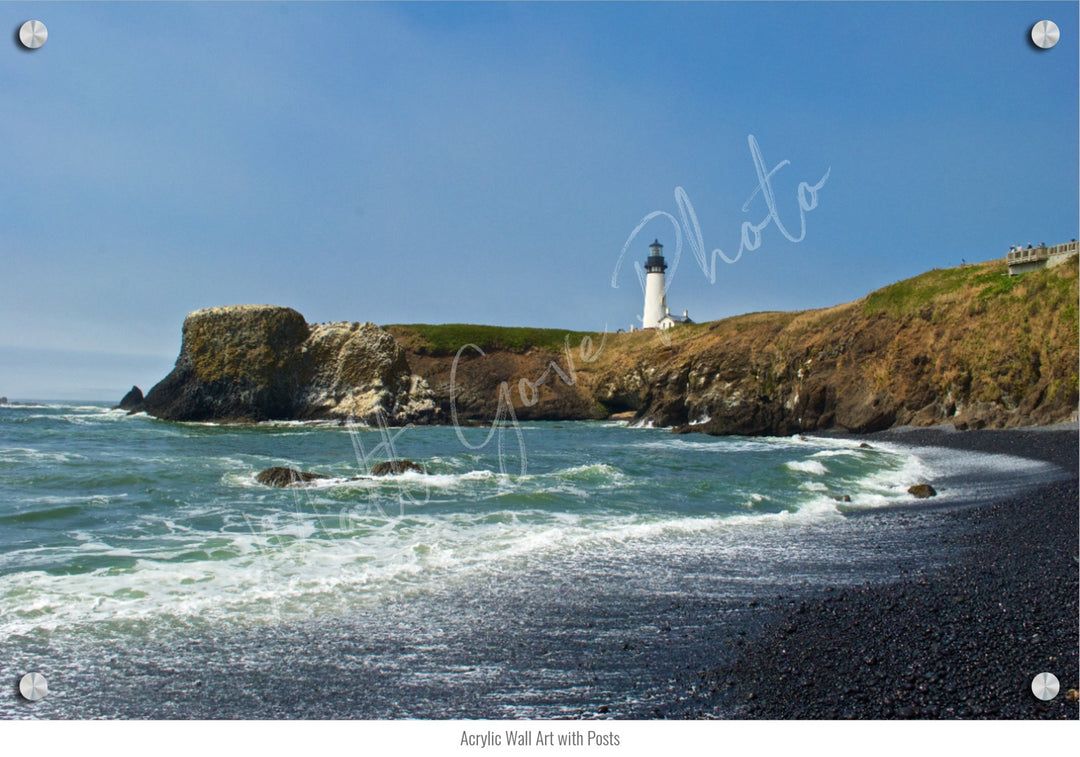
(762, 418)
(395, 467)
(282, 477)
(132, 400)
(922, 491)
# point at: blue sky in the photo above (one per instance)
(486, 163)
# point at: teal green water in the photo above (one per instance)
(108, 518)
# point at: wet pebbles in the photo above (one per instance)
(960, 641)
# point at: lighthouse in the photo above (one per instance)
(655, 293)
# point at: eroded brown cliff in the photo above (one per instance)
(970, 346)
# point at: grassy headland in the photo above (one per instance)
(969, 345)
(444, 340)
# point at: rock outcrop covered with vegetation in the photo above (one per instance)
(969, 346)
(261, 362)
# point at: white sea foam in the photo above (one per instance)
(75, 499)
(282, 562)
(648, 423)
(258, 554)
(960, 474)
(890, 485)
(410, 478)
(305, 424)
(293, 563)
(595, 472)
(846, 452)
(807, 466)
(62, 406)
(754, 498)
(718, 444)
(26, 454)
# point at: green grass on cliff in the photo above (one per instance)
(448, 338)
(988, 282)
(1003, 336)
(910, 295)
(980, 289)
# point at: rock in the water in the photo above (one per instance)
(864, 445)
(263, 362)
(922, 491)
(132, 400)
(394, 467)
(280, 476)
(3, 400)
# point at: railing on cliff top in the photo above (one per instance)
(1042, 252)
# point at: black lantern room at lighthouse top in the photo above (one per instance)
(655, 262)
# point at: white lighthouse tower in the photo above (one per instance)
(655, 292)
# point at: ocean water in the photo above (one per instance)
(140, 561)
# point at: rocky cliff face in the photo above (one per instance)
(968, 346)
(261, 362)
(971, 346)
(532, 383)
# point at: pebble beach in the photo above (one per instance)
(962, 641)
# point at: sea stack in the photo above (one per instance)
(132, 401)
(265, 362)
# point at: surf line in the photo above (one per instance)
(750, 236)
(528, 391)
